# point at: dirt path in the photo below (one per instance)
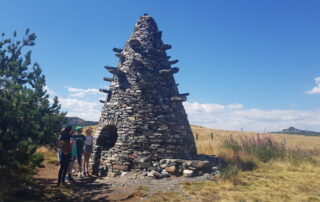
(84, 189)
(131, 187)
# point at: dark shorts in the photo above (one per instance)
(88, 148)
(79, 156)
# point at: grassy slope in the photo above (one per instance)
(272, 181)
(207, 146)
(275, 181)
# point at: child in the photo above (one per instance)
(87, 150)
(80, 138)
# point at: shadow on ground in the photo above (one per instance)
(44, 189)
(84, 189)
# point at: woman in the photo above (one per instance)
(64, 152)
(87, 150)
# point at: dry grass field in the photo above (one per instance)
(206, 145)
(280, 179)
(275, 180)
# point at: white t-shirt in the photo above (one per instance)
(88, 140)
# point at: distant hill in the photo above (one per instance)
(75, 121)
(295, 131)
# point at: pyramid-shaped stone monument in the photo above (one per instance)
(143, 119)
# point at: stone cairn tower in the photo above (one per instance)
(143, 119)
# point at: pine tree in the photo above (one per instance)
(27, 118)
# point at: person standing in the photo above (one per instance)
(80, 138)
(73, 156)
(87, 150)
(64, 149)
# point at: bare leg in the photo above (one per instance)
(88, 158)
(85, 162)
(80, 166)
(60, 173)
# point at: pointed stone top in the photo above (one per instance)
(145, 37)
(146, 23)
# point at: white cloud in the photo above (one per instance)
(316, 89)
(228, 117)
(204, 108)
(77, 92)
(235, 117)
(85, 106)
(83, 109)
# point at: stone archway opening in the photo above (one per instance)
(108, 136)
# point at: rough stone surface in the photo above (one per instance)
(188, 173)
(143, 119)
(171, 170)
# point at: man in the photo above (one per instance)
(79, 138)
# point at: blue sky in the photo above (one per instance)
(246, 64)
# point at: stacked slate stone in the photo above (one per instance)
(143, 119)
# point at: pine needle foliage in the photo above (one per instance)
(27, 118)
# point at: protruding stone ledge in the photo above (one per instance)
(117, 50)
(105, 91)
(173, 62)
(134, 43)
(165, 47)
(109, 67)
(114, 70)
(178, 98)
(108, 79)
(185, 94)
(165, 72)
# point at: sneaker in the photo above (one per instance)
(71, 179)
(79, 174)
(84, 174)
